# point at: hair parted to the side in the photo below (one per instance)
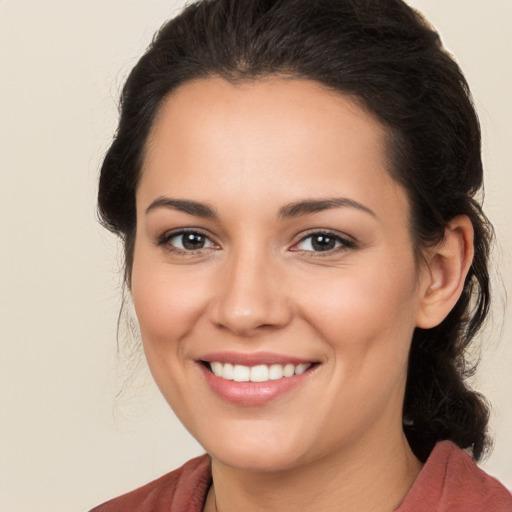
(387, 56)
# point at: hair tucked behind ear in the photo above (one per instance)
(385, 54)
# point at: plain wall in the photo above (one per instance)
(67, 442)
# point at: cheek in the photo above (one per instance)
(368, 320)
(371, 303)
(167, 303)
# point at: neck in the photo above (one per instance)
(372, 477)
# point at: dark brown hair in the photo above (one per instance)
(385, 54)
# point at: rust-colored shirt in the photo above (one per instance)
(450, 481)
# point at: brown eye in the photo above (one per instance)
(189, 241)
(323, 242)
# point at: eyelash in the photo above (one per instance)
(164, 241)
(345, 243)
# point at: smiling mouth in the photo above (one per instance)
(256, 373)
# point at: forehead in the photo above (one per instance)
(271, 137)
(292, 109)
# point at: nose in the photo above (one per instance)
(252, 296)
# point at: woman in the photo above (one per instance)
(295, 185)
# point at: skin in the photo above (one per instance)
(247, 150)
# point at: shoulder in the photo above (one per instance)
(184, 489)
(451, 481)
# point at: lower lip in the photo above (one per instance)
(252, 393)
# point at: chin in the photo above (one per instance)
(259, 449)
(255, 459)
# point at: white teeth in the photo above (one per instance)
(301, 368)
(275, 372)
(216, 368)
(241, 373)
(289, 370)
(258, 373)
(228, 371)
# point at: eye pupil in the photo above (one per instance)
(193, 241)
(323, 242)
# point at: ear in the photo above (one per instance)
(447, 267)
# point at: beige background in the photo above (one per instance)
(66, 442)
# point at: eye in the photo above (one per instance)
(186, 241)
(323, 241)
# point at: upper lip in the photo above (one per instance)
(253, 359)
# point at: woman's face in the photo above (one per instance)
(272, 245)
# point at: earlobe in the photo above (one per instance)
(447, 268)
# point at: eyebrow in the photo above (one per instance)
(296, 209)
(184, 205)
(314, 206)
